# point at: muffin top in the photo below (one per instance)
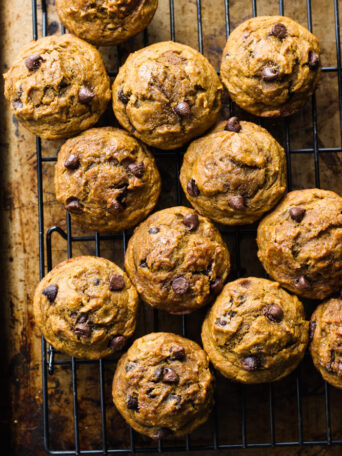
(163, 386)
(166, 94)
(58, 86)
(255, 332)
(106, 179)
(271, 65)
(235, 173)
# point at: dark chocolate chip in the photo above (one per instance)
(158, 374)
(269, 74)
(279, 30)
(85, 94)
(216, 286)
(180, 285)
(83, 318)
(132, 403)
(312, 328)
(137, 169)
(302, 283)
(177, 353)
(297, 213)
(161, 433)
(237, 202)
(153, 230)
(51, 292)
(97, 282)
(122, 97)
(192, 188)
(72, 162)
(191, 221)
(17, 104)
(183, 109)
(82, 329)
(220, 322)
(170, 375)
(274, 313)
(251, 363)
(33, 62)
(117, 343)
(116, 282)
(74, 205)
(233, 124)
(313, 60)
(115, 207)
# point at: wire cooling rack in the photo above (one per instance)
(214, 439)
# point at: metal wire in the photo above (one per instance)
(45, 247)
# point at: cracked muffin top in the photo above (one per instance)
(163, 385)
(58, 86)
(326, 340)
(86, 307)
(255, 332)
(177, 260)
(106, 22)
(234, 174)
(106, 179)
(271, 65)
(166, 94)
(300, 243)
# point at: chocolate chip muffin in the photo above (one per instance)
(300, 243)
(177, 260)
(166, 94)
(163, 386)
(106, 179)
(106, 22)
(235, 173)
(271, 65)
(326, 340)
(58, 86)
(86, 307)
(255, 332)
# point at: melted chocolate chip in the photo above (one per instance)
(233, 124)
(251, 363)
(161, 433)
(115, 207)
(180, 285)
(313, 60)
(177, 353)
(237, 202)
(312, 328)
(170, 375)
(116, 282)
(50, 292)
(72, 162)
(274, 313)
(122, 97)
(192, 188)
(269, 74)
(216, 286)
(137, 169)
(117, 343)
(132, 403)
(220, 322)
(153, 230)
(303, 283)
(85, 94)
(183, 109)
(82, 329)
(158, 374)
(33, 62)
(74, 205)
(297, 213)
(279, 30)
(191, 221)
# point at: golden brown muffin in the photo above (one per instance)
(235, 173)
(163, 386)
(166, 94)
(58, 86)
(106, 22)
(271, 65)
(106, 179)
(255, 332)
(86, 307)
(300, 243)
(177, 260)
(326, 340)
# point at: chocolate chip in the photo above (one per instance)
(192, 188)
(279, 30)
(220, 322)
(175, 398)
(297, 213)
(302, 283)
(313, 60)
(158, 374)
(269, 74)
(137, 169)
(233, 124)
(117, 343)
(97, 282)
(82, 329)
(245, 283)
(183, 109)
(216, 286)
(274, 313)
(116, 282)
(191, 221)
(72, 162)
(153, 230)
(115, 207)
(17, 104)
(237, 202)
(180, 285)
(177, 353)
(312, 328)
(85, 94)
(83, 318)
(170, 375)
(143, 264)
(74, 205)
(132, 403)
(51, 292)
(122, 97)
(33, 62)
(161, 433)
(251, 363)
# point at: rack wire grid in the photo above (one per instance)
(45, 248)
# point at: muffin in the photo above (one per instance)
(86, 307)
(106, 22)
(271, 65)
(106, 179)
(58, 86)
(166, 94)
(177, 260)
(255, 332)
(326, 340)
(163, 386)
(300, 243)
(234, 174)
